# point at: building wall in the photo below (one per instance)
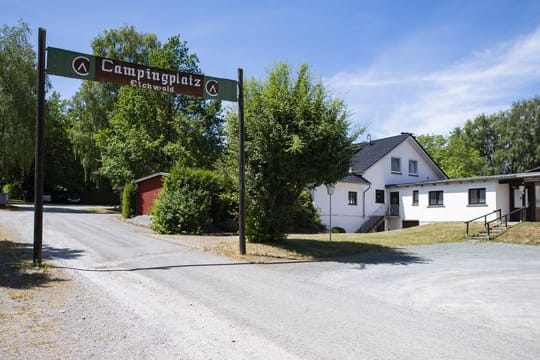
(379, 175)
(147, 192)
(456, 205)
(344, 215)
(503, 197)
(407, 150)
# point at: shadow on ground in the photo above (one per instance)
(66, 209)
(17, 270)
(307, 251)
(350, 252)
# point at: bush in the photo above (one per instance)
(338, 230)
(129, 200)
(190, 202)
(13, 190)
(304, 217)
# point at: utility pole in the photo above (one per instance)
(39, 148)
(241, 166)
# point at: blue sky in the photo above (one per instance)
(417, 66)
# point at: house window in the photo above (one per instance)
(436, 198)
(413, 167)
(477, 196)
(415, 197)
(396, 165)
(379, 196)
(353, 198)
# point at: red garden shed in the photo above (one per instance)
(148, 189)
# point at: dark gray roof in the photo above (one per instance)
(355, 179)
(372, 151)
(528, 176)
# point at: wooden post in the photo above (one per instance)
(39, 150)
(241, 167)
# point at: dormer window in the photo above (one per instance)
(396, 165)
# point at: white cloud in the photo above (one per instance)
(388, 99)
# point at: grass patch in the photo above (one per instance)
(294, 249)
(318, 246)
(527, 233)
(419, 235)
(17, 270)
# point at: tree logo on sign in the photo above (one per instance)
(81, 65)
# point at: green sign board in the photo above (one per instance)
(87, 67)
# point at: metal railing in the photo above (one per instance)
(502, 218)
(485, 219)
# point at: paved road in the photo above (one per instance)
(457, 301)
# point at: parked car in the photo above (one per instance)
(73, 199)
(47, 197)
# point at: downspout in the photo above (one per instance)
(364, 201)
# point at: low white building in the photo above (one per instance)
(466, 199)
(394, 183)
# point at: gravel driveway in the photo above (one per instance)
(149, 296)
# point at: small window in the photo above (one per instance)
(436, 198)
(379, 196)
(477, 196)
(413, 167)
(353, 197)
(396, 165)
(415, 197)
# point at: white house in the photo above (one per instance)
(394, 183)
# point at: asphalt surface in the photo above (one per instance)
(453, 301)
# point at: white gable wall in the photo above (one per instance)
(379, 175)
(381, 172)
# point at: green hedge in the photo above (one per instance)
(13, 190)
(192, 201)
(129, 200)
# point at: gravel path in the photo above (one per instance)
(130, 294)
(63, 316)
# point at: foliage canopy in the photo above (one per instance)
(501, 143)
(296, 135)
(18, 73)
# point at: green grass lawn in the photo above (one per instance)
(527, 233)
(419, 235)
(303, 247)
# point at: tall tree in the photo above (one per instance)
(92, 104)
(296, 135)
(508, 141)
(483, 134)
(17, 102)
(63, 171)
(453, 153)
(520, 148)
(434, 145)
(459, 158)
(150, 131)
